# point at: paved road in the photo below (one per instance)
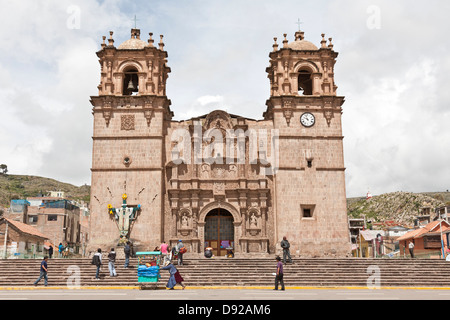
(220, 303)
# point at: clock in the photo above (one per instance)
(307, 119)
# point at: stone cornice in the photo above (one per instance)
(146, 137)
(127, 169)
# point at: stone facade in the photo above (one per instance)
(219, 179)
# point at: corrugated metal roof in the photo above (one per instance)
(371, 234)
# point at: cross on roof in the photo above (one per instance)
(299, 23)
(135, 19)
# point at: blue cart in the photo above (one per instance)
(148, 269)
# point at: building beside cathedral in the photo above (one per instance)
(219, 180)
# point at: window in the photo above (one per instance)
(130, 82)
(304, 82)
(307, 213)
(432, 242)
(307, 210)
(32, 219)
(52, 217)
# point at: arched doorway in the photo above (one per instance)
(219, 231)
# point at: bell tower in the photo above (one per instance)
(310, 183)
(130, 113)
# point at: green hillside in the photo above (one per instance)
(22, 186)
(402, 207)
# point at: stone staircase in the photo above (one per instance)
(326, 272)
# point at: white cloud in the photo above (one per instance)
(202, 105)
(394, 78)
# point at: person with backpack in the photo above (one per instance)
(286, 253)
(60, 249)
(111, 263)
(97, 261)
(127, 252)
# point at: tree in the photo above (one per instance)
(3, 168)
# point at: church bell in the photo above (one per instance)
(131, 85)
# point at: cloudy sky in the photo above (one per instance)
(393, 68)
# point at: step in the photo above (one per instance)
(238, 272)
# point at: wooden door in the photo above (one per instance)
(219, 231)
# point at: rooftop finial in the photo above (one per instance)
(323, 42)
(103, 43)
(111, 40)
(330, 45)
(275, 45)
(135, 34)
(150, 40)
(299, 35)
(161, 44)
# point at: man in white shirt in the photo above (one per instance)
(411, 249)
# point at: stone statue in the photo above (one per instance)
(184, 221)
(253, 221)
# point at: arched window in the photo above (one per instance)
(305, 82)
(130, 82)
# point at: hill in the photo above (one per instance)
(402, 207)
(23, 186)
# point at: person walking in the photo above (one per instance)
(50, 251)
(181, 250)
(97, 261)
(279, 274)
(111, 263)
(60, 249)
(286, 252)
(175, 276)
(164, 247)
(43, 272)
(411, 249)
(170, 255)
(127, 251)
(66, 252)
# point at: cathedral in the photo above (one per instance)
(219, 180)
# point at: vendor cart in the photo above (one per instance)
(148, 269)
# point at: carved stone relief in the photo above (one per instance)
(127, 122)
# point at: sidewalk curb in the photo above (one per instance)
(214, 288)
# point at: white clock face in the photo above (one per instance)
(307, 119)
